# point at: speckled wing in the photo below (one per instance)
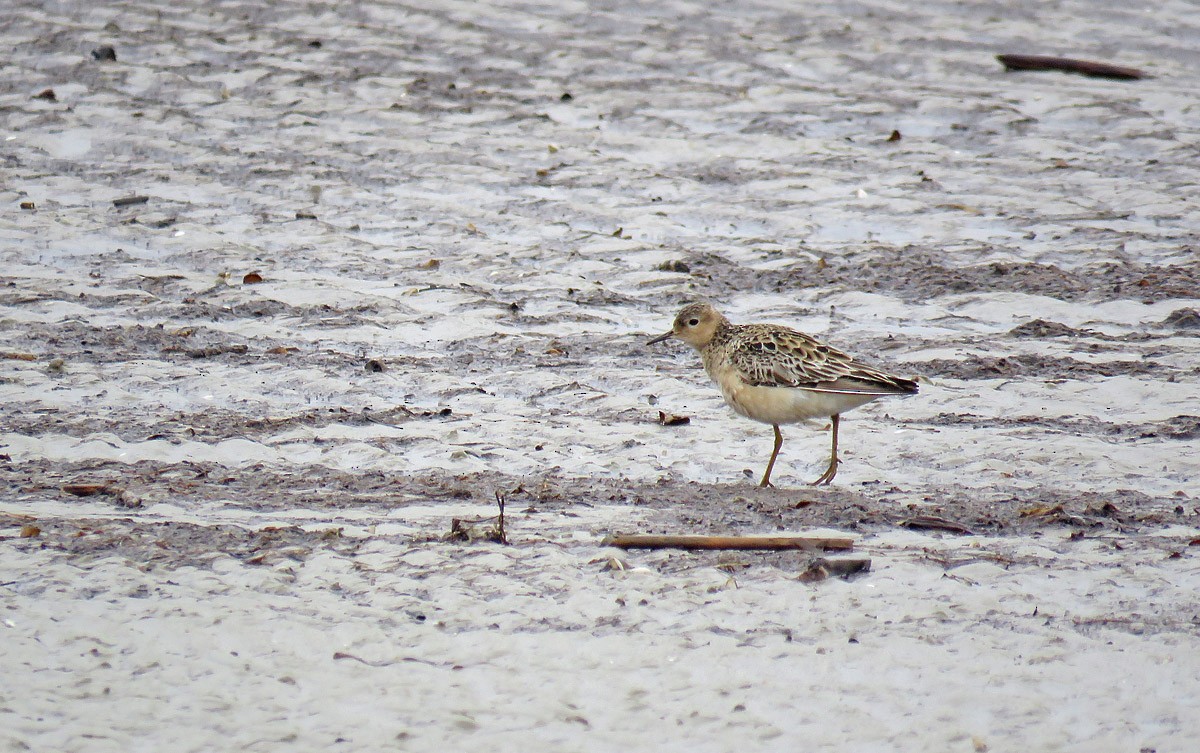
(773, 356)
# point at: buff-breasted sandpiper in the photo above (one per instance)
(778, 376)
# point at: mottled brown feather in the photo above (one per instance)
(770, 355)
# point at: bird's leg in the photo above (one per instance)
(766, 479)
(831, 471)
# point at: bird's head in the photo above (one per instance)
(695, 324)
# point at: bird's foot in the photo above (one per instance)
(827, 477)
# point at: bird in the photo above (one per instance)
(777, 375)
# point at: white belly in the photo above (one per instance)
(788, 405)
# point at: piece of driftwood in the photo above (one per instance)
(936, 523)
(129, 201)
(667, 541)
(1070, 65)
(88, 489)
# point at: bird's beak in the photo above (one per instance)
(660, 338)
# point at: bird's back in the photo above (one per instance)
(770, 355)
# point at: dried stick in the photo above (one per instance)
(1070, 65)
(650, 541)
(501, 535)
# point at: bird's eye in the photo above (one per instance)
(693, 322)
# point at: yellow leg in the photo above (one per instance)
(831, 471)
(766, 479)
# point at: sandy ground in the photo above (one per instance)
(467, 220)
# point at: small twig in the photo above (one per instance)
(469, 529)
(501, 535)
(649, 541)
(338, 655)
(1070, 65)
